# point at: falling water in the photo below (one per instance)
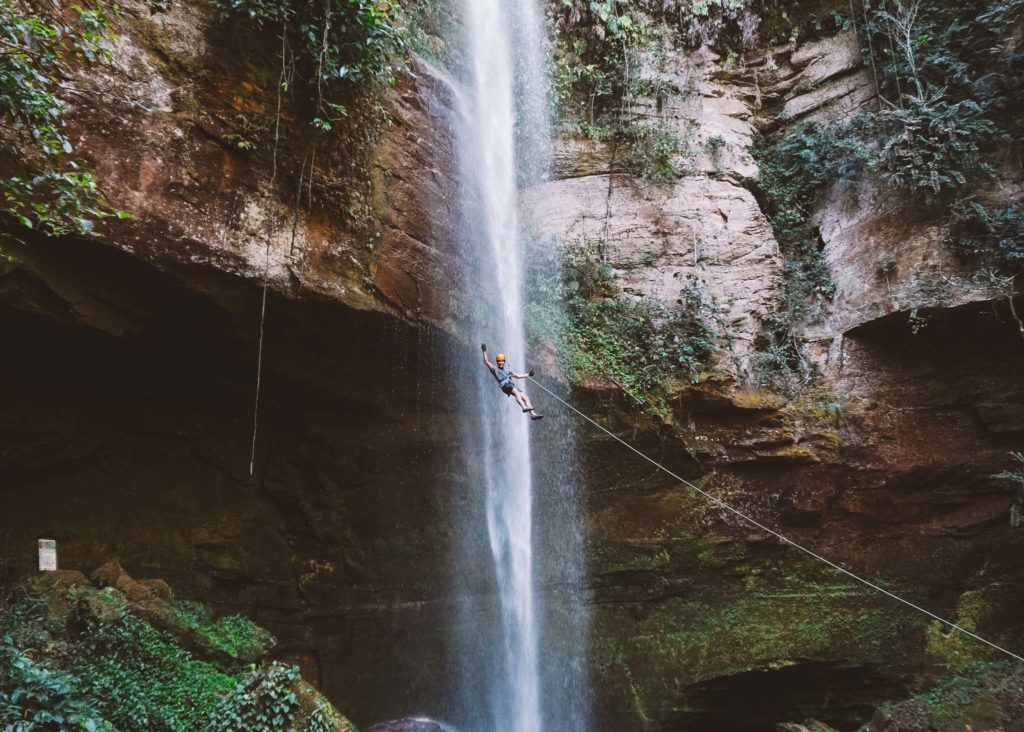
(504, 142)
(489, 167)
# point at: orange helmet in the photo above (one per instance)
(500, 357)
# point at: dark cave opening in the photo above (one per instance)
(755, 701)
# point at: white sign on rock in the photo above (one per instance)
(47, 555)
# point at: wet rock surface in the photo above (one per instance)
(406, 725)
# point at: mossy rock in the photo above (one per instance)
(99, 660)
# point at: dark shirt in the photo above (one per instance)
(504, 376)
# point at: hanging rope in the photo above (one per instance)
(754, 522)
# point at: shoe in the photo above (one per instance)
(527, 410)
(537, 416)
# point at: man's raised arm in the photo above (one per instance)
(488, 364)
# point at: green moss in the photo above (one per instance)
(740, 613)
(576, 305)
(236, 635)
(981, 695)
(953, 649)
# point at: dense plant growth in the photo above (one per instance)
(598, 331)
(993, 233)
(41, 183)
(950, 87)
(262, 700)
(793, 171)
(99, 666)
(140, 678)
(37, 696)
(235, 635)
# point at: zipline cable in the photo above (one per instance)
(719, 502)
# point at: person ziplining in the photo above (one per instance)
(504, 378)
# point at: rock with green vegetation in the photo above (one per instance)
(980, 696)
(121, 657)
(42, 183)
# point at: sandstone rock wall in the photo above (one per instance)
(186, 136)
(885, 464)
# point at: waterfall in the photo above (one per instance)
(503, 140)
(489, 167)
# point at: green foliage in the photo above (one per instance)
(923, 45)
(649, 152)
(35, 696)
(950, 86)
(320, 719)
(714, 146)
(236, 635)
(332, 44)
(992, 234)
(600, 332)
(794, 169)
(933, 148)
(41, 184)
(263, 701)
(141, 678)
(98, 666)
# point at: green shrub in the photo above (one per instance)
(263, 701)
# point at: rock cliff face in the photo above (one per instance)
(130, 361)
(195, 142)
(884, 466)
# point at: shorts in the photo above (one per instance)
(508, 388)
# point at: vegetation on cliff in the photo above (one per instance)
(76, 656)
(949, 84)
(950, 89)
(42, 184)
(327, 48)
(598, 331)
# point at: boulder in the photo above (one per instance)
(406, 725)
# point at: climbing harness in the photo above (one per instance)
(754, 522)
